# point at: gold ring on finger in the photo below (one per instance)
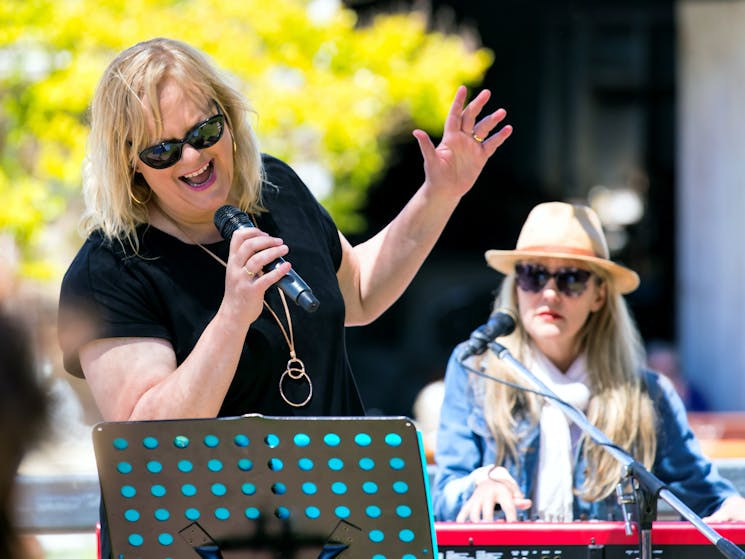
(476, 137)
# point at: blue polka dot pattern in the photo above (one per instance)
(162, 515)
(301, 439)
(403, 511)
(218, 489)
(241, 440)
(336, 464)
(136, 540)
(174, 485)
(165, 539)
(363, 439)
(339, 487)
(132, 515)
(331, 439)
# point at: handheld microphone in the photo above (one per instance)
(228, 219)
(500, 323)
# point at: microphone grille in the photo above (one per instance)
(228, 219)
(502, 322)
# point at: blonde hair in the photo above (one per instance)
(619, 406)
(115, 195)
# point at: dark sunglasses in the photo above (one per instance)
(167, 153)
(569, 281)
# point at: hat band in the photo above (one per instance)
(562, 250)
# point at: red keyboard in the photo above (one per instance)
(577, 540)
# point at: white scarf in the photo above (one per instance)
(554, 496)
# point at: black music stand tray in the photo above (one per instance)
(265, 487)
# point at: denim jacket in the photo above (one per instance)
(465, 444)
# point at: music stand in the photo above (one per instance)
(257, 486)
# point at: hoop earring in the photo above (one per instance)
(141, 202)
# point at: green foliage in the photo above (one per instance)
(327, 91)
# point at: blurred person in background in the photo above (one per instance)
(23, 418)
(426, 410)
(663, 357)
(503, 449)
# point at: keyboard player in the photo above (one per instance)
(502, 451)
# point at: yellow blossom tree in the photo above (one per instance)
(331, 95)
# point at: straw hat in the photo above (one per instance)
(561, 230)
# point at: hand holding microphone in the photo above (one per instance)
(228, 219)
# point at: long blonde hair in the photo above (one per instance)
(620, 406)
(115, 195)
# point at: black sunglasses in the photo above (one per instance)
(167, 153)
(569, 281)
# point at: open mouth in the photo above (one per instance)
(200, 177)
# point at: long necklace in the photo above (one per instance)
(295, 369)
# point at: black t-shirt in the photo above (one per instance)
(171, 290)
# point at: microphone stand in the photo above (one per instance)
(647, 485)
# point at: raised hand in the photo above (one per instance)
(466, 145)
